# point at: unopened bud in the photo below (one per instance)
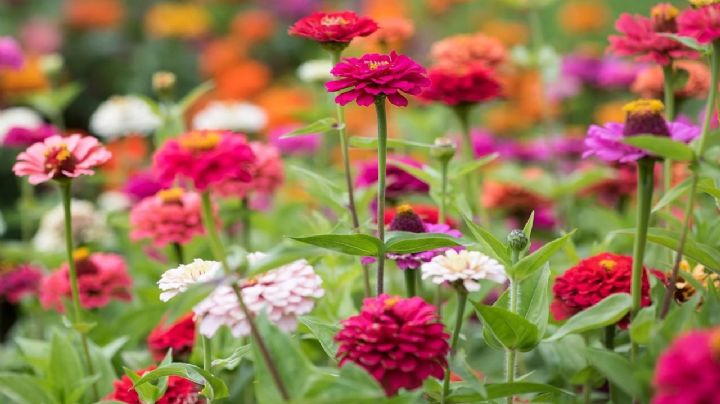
(163, 83)
(517, 240)
(443, 149)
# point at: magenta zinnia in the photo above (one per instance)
(701, 23)
(374, 75)
(400, 342)
(341, 27)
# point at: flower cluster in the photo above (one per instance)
(171, 216)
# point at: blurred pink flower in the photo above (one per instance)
(11, 55)
(267, 174)
(41, 35)
(19, 137)
(19, 281)
(305, 145)
(399, 182)
(469, 83)
(171, 216)
(701, 23)
(142, 185)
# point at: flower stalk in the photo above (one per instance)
(462, 112)
(410, 278)
(382, 171)
(460, 315)
(219, 253)
(669, 101)
(517, 241)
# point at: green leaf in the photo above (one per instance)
(146, 392)
(662, 146)
(606, 312)
(324, 332)
(24, 389)
(531, 263)
(424, 173)
(617, 369)
(402, 242)
(671, 195)
(527, 229)
(282, 256)
(534, 302)
(196, 374)
(491, 245)
(183, 303)
(66, 368)
(642, 325)
(352, 244)
(500, 390)
(194, 95)
(320, 126)
(363, 142)
(470, 166)
(510, 329)
(353, 384)
(688, 41)
(702, 253)
(232, 361)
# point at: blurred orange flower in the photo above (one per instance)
(93, 14)
(379, 9)
(128, 156)
(242, 80)
(221, 54)
(510, 33)
(442, 6)
(177, 20)
(392, 34)
(583, 16)
(524, 102)
(464, 48)
(284, 104)
(610, 112)
(27, 79)
(649, 83)
(253, 26)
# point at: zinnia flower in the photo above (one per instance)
(123, 116)
(465, 267)
(19, 126)
(267, 174)
(650, 82)
(329, 28)
(399, 182)
(20, 137)
(393, 32)
(428, 213)
(374, 75)
(641, 36)
(204, 157)
(400, 342)
(178, 280)
(178, 391)
(171, 216)
(642, 117)
(284, 294)
(178, 336)
(518, 203)
(60, 157)
(101, 278)
(305, 145)
(469, 48)
(177, 20)
(701, 23)
(592, 280)
(19, 281)
(11, 55)
(468, 83)
(88, 226)
(688, 372)
(141, 185)
(233, 116)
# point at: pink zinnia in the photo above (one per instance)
(688, 372)
(702, 23)
(305, 145)
(205, 157)
(101, 278)
(60, 157)
(340, 27)
(178, 336)
(267, 174)
(10, 53)
(18, 282)
(400, 342)
(375, 75)
(642, 36)
(171, 216)
(20, 137)
(399, 182)
(461, 84)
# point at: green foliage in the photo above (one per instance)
(606, 312)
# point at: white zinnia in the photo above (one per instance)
(177, 280)
(123, 115)
(466, 266)
(314, 71)
(234, 116)
(18, 117)
(88, 225)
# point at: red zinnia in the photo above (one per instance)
(340, 27)
(374, 75)
(642, 36)
(180, 336)
(179, 391)
(400, 342)
(461, 84)
(702, 23)
(18, 282)
(592, 280)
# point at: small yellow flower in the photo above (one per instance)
(177, 20)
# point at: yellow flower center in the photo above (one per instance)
(392, 301)
(171, 195)
(608, 264)
(200, 140)
(329, 21)
(374, 64)
(81, 254)
(404, 208)
(701, 3)
(664, 11)
(644, 106)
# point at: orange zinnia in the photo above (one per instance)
(253, 26)
(93, 14)
(284, 104)
(243, 80)
(177, 20)
(221, 54)
(30, 77)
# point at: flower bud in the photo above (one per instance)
(664, 17)
(52, 64)
(163, 83)
(517, 240)
(443, 149)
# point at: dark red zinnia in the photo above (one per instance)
(179, 391)
(399, 341)
(469, 83)
(372, 75)
(180, 336)
(340, 27)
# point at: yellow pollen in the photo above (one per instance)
(199, 140)
(404, 208)
(374, 64)
(81, 254)
(330, 21)
(665, 11)
(171, 195)
(644, 106)
(390, 302)
(701, 3)
(609, 265)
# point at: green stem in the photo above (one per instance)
(246, 223)
(669, 100)
(443, 190)
(382, 171)
(207, 358)
(471, 179)
(511, 354)
(25, 208)
(66, 191)
(179, 254)
(219, 253)
(610, 345)
(460, 315)
(410, 282)
(644, 196)
(712, 98)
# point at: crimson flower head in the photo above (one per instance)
(179, 391)
(178, 336)
(399, 341)
(374, 75)
(701, 23)
(204, 157)
(454, 84)
(59, 157)
(642, 36)
(328, 28)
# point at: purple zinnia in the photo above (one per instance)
(10, 53)
(142, 185)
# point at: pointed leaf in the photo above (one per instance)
(533, 262)
(352, 244)
(196, 374)
(324, 332)
(471, 166)
(606, 312)
(662, 147)
(402, 242)
(320, 126)
(510, 329)
(24, 389)
(364, 142)
(617, 369)
(491, 245)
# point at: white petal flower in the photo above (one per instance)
(314, 71)
(465, 266)
(177, 280)
(283, 294)
(123, 115)
(235, 116)
(18, 117)
(88, 225)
